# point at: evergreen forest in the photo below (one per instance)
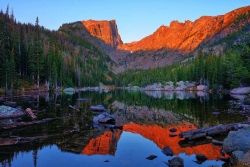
(32, 56)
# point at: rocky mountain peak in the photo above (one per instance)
(186, 37)
(104, 30)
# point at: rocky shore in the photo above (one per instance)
(237, 144)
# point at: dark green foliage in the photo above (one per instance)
(57, 58)
(211, 70)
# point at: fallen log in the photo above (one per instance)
(26, 124)
(211, 131)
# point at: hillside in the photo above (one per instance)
(33, 56)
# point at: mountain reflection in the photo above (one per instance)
(107, 142)
(152, 124)
(104, 144)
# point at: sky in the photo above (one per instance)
(135, 19)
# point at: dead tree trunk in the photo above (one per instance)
(211, 131)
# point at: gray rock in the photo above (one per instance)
(172, 135)
(69, 90)
(173, 130)
(201, 157)
(175, 162)
(246, 159)
(191, 84)
(217, 142)
(168, 87)
(170, 83)
(237, 141)
(181, 88)
(151, 157)
(213, 166)
(209, 138)
(10, 112)
(201, 88)
(241, 91)
(167, 151)
(237, 155)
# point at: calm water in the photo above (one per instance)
(145, 118)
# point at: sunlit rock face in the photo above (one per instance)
(185, 37)
(104, 30)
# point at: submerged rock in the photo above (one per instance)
(201, 157)
(10, 112)
(167, 151)
(172, 135)
(151, 157)
(175, 162)
(213, 166)
(173, 130)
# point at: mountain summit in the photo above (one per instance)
(104, 30)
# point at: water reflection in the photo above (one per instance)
(107, 142)
(145, 117)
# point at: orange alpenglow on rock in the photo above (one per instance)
(104, 30)
(186, 36)
(159, 135)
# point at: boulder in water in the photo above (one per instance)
(175, 162)
(241, 91)
(10, 112)
(167, 151)
(237, 141)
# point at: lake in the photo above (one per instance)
(143, 120)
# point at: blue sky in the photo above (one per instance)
(135, 18)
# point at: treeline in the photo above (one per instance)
(32, 56)
(217, 72)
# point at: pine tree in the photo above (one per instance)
(38, 52)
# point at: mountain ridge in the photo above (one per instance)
(185, 36)
(167, 45)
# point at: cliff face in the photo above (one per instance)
(104, 30)
(185, 37)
